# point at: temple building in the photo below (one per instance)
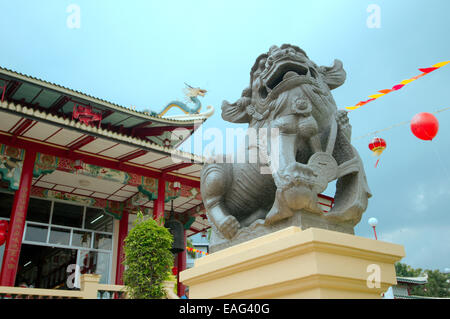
(74, 171)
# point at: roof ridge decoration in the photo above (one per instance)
(191, 94)
(131, 110)
(26, 111)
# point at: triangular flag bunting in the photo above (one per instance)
(400, 85)
(427, 70)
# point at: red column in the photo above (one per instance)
(181, 266)
(17, 222)
(158, 208)
(123, 232)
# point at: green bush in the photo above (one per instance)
(148, 260)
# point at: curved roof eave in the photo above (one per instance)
(142, 114)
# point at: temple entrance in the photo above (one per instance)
(44, 267)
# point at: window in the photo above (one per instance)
(36, 233)
(6, 202)
(81, 239)
(60, 236)
(102, 241)
(39, 210)
(86, 231)
(67, 215)
(92, 262)
(97, 219)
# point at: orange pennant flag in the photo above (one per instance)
(418, 76)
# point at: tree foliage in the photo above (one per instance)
(148, 260)
(438, 282)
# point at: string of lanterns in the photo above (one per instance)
(393, 126)
(196, 250)
(397, 87)
(423, 125)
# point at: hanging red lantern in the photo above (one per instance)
(174, 271)
(3, 226)
(424, 126)
(2, 238)
(377, 146)
(3, 231)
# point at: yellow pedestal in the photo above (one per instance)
(291, 263)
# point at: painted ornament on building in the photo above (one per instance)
(11, 163)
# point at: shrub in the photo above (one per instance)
(148, 260)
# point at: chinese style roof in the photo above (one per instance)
(57, 103)
(413, 280)
(130, 146)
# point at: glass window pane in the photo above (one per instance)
(39, 210)
(36, 233)
(6, 202)
(102, 241)
(59, 236)
(97, 219)
(81, 239)
(67, 215)
(92, 262)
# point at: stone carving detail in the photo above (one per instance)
(289, 92)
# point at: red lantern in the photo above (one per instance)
(377, 146)
(3, 231)
(2, 238)
(174, 271)
(424, 126)
(3, 226)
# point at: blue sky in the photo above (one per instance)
(141, 52)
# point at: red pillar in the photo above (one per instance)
(181, 266)
(158, 209)
(17, 222)
(123, 232)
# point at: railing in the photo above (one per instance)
(90, 289)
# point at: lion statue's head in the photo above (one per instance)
(285, 81)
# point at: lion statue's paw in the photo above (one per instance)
(229, 226)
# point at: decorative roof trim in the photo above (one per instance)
(64, 90)
(79, 126)
(413, 280)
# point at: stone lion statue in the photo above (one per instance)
(291, 94)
